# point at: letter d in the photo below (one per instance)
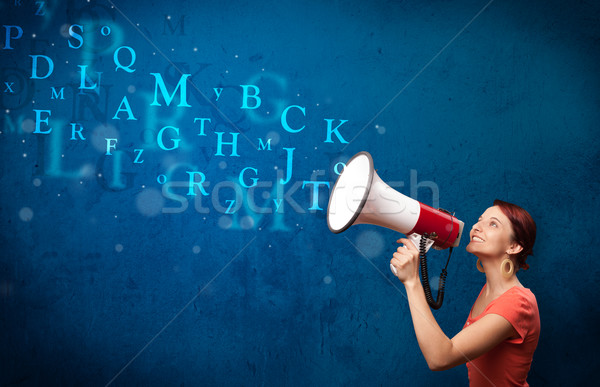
(34, 66)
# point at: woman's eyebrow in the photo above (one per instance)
(493, 217)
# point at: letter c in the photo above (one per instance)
(284, 122)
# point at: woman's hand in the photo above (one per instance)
(406, 262)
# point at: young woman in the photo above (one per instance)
(501, 333)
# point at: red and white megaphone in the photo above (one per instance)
(359, 196)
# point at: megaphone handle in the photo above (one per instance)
(416, 240)
(423, 243)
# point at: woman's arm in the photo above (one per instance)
(439, 351)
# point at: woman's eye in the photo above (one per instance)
(493, 224)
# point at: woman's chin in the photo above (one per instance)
(474, 249)
(469, 248)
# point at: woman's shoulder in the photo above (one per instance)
(519, 298)
(521, 292)
(519, 307)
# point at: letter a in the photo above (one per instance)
(127, 109)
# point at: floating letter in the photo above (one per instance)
(160, 84)
(231, 203)
(82, 85)
(284, 122)
(110, 145)
(198, 184)
(127, 109)
(334, 130)
(40, 11)
(277, 204)
(74, 130)
(9, 37)
(262, 145)
(76, 35)
(38, 116)
(59, 95)
(290, 155)
(254, 179)
(34, 66)
(136, 161)
(315, 193)
(220, 144)
(118, 63)
(171, 28)
(161, 144)
(246, 96)
(9, 87)
(201, 125)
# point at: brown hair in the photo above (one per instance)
(524, 229)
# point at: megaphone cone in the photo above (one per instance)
(359, 196)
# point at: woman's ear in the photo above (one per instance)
(514, 248)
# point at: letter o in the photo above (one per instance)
(335, 168)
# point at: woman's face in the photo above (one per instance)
(491, 235)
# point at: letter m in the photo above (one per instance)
(59, 95)
(160, 84)
(169, 25)
(262, 145)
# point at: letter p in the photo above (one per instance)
(9, 36)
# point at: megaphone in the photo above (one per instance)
(359, 196)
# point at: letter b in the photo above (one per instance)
(245, 97)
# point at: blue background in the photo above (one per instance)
(108, 276)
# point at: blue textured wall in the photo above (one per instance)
(107, 276)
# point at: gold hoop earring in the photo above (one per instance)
(511, 270)
(479, 267)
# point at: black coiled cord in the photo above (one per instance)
(425, 276)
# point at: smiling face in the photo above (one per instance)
(492, 235)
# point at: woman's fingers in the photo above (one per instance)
(401, 266)
(400, 260)
(407, 253)
(407, 243)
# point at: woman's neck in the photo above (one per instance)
(495, 281)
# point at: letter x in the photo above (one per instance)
(8, 87)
